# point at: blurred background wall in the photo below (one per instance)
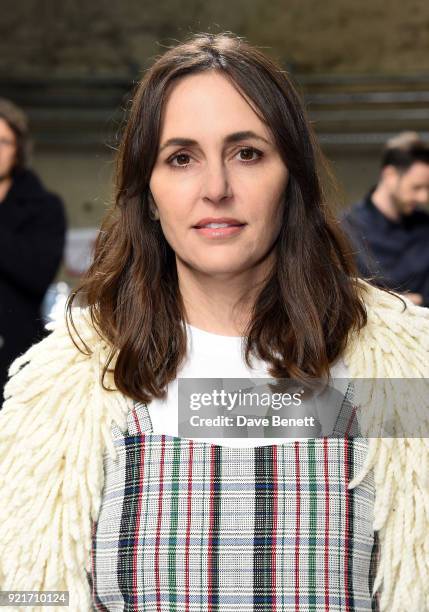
(362, 68)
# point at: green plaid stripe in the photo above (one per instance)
(188, 525)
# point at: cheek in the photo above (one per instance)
(266, 226)
(407, 193)
(7, 157)
(176, 210)
(176, 224)
(173, 197)
(274, 207)
(12, 154)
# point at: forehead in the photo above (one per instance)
(418, 173)
(208, 104)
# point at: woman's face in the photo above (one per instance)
(216, 160)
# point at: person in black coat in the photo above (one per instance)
(389, 227)
(32, 236)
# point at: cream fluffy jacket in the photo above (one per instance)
(56, 425)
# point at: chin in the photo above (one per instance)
(218, 271)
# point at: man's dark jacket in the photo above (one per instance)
(32, 236)
(396, 253)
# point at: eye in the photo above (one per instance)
(251, 150)
(179, 157)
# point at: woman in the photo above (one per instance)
(158, 521)
(32, 237)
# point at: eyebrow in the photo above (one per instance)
(234, 137)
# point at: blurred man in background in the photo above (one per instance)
(32, 236)
(389, 227)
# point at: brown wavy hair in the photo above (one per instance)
(306, 307)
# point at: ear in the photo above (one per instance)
(153, 210)
(389, 175)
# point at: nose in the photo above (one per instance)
(216, 182)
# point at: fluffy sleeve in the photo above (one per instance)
(55, 425)
(394, 345)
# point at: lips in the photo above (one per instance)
(227, 220)
(227, 232)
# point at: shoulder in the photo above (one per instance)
(70, 352)
(50, 357)
(353, 213)
(395, 340)
(389, 358)
(51, 204)
(28, 187)
(54, 428)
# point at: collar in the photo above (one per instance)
(25, 185)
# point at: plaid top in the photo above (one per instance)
(188, 525)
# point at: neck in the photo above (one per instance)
(5, 185)
(385, 204)
(210, 300)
